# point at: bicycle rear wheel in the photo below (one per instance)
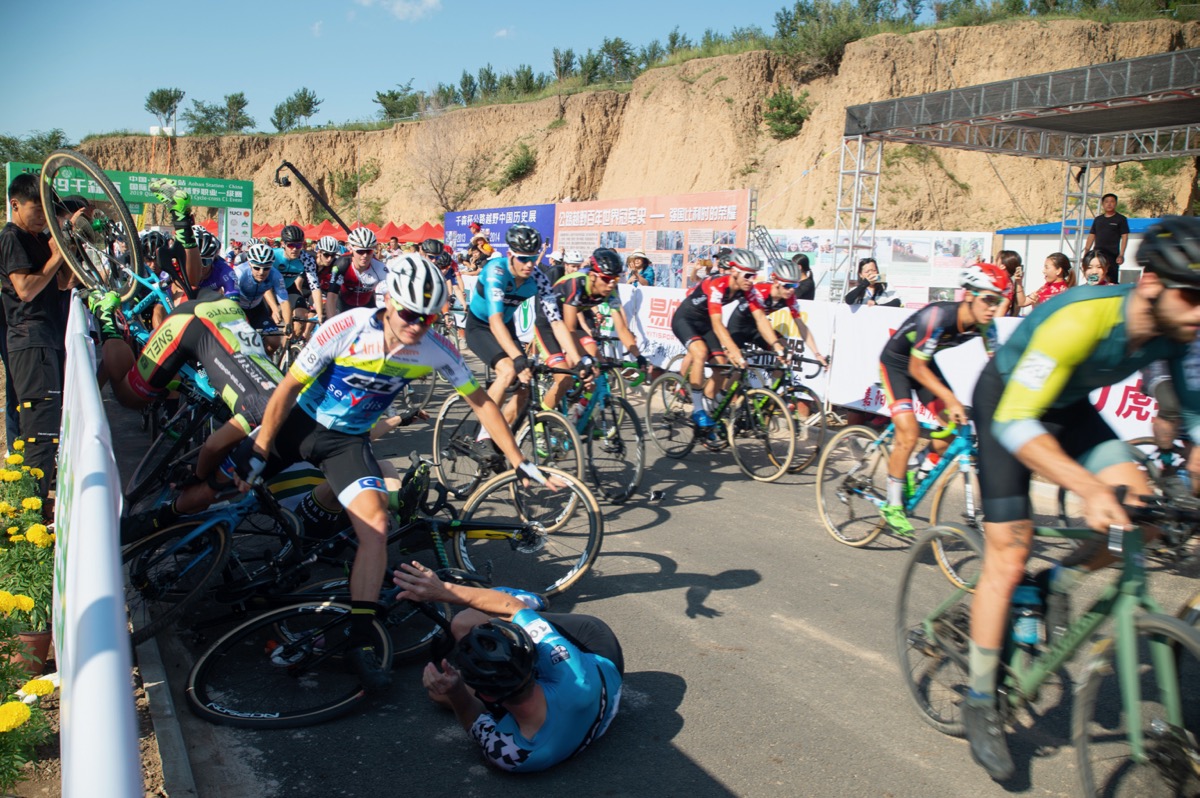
(283, 669)
(933, 619)
(168, 571)
(183, 432)
(553, 442)
(808, 414)
(851, 484)
(563, 533)
(669, 415)
(459, 458)
(616, 450)
(761, 435)
(1166, 671)
(101, 248)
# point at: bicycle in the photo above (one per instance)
(759, 429)
(1150, 665)
(628, 375)
(808, 409)
(462, 458)
(852, 482)
(615, 444)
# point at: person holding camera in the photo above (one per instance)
(871, 289)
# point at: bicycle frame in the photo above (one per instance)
(599, 395)
(960, 451)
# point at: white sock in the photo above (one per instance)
(895, 491)
(697, 399)
(483, 435)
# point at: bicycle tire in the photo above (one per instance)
(415, 396)
(164, 575)
(554, 443)
(280, 670)
(614, 435)
(935, 671)
(179, 436)
(810, 425)
(563, 549)
(669, 415)
(762, 435)
(850, 468)
(86, 248)
(411, 631)
(1100, 730)
(457, 455)
(957, 500)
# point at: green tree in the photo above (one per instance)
(400, 102)
(677, 41)
(506, 86)
(468, 89)
(591, 67)
(564, 63)
(488, 84)
(524, 81)
(619, 57)
(234, 113)
(445, 95)
(650, 55)
(163, 104)
(786, 113)
(33, 148)
(284, 118)
(304, 104)
(204, 119)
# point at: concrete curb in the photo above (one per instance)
(177, 767)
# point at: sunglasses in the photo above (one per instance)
(525, 258)
(364, 252)
(294, 246)
(991, 300)
(259, 268)
(788, 286)
(409, 317)
(606, 278)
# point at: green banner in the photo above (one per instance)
(206, 192)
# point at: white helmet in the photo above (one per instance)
(329, 245)
(416, 284)
(361, 238)
(261, 255)
(573, 257)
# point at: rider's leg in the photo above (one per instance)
(199, 496)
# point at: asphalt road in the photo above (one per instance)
(760, 662)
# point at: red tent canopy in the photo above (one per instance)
(390, 229)
(210, 225)
(312, 232)
(425, 231)
(328, 228)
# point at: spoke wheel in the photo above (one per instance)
(669, 415)
(616, 450)
(956, 499)
(933, 623)
(851, 482)
(761, 435)
(553, 442)
(808, 414)
(415, 396)
(460, 460)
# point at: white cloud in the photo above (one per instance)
(502, 33)
(407, 10)
(316, 28)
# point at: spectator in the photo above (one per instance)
(532, 689)
(1011, 262)
(641, 270)
(31, 283)
(871, 289)
(1059, 277)
(554, 269)
(1109, 234)
(480, 248)
(235, 254)
(808, 286)
(1097, 265)
(393, 249)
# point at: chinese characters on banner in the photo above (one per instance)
(495, 223)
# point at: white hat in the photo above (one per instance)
(637, 253)
(572, 257)
(557, 254)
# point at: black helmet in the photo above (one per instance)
(432, 248)
(523, 239)
(606, 261)
(496, 658)
(152, 242)
(206, 241)
(443, 259)
(292, 234)
(1171, 249)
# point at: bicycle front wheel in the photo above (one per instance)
(416, 396)
(166, 572)
(553, 442)
(808, 414)
(616, 450)
(1154, 700)
(669, 415)
(852, 484)
(283, 669)
(460, 459)
(560, 535)
(761, 435)
(956, 499)
(933, 618)
(102, 247)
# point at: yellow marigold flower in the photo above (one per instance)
(12, 715)
(32, 503)
(37, 473)
(36, 529)
(18, 445)
(38, 537)
(12, 530)
(7, 602)
(24, 603)
(25, 468)
(38, 687)
(10, 476)
(14, 459)
(17, 538)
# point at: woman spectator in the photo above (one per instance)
(1096, 266)
(1059, 277)
(1011, 262)
(871, 290)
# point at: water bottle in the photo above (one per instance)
(1027, 613)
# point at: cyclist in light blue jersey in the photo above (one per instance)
(262, 293)
(504, 284)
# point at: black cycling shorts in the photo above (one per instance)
(687, 330)
(481, 341)
(899, 387)
(260, 319)
(589, 634)
(347, 460)
(1003, 479)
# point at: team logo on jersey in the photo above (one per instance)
(559, 654)
(1034, 369)
(373, 383)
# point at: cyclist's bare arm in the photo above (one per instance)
(628, 340)
(722, 333)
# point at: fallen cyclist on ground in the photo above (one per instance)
(533, 689)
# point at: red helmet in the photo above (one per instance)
(986, 277)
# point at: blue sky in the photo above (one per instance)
(344, 50)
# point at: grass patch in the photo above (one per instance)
(786, 113)
(556, 124)
(520, 164)
(719, 79)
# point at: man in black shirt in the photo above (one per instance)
(31, 284)
(1109, 234)
(808, 288)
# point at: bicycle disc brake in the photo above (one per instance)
(531, 540)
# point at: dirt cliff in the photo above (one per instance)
(698, 127)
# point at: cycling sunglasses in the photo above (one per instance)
(259, 268)
(792, 286)
(607, 278)
(991, 300)
(525, 258)
(294, 246)
(364, 252)
(409, 317)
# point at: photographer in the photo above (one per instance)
(871, 290)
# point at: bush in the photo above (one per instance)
(520, 165)
(786, 113)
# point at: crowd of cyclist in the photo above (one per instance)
(1030, 407)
